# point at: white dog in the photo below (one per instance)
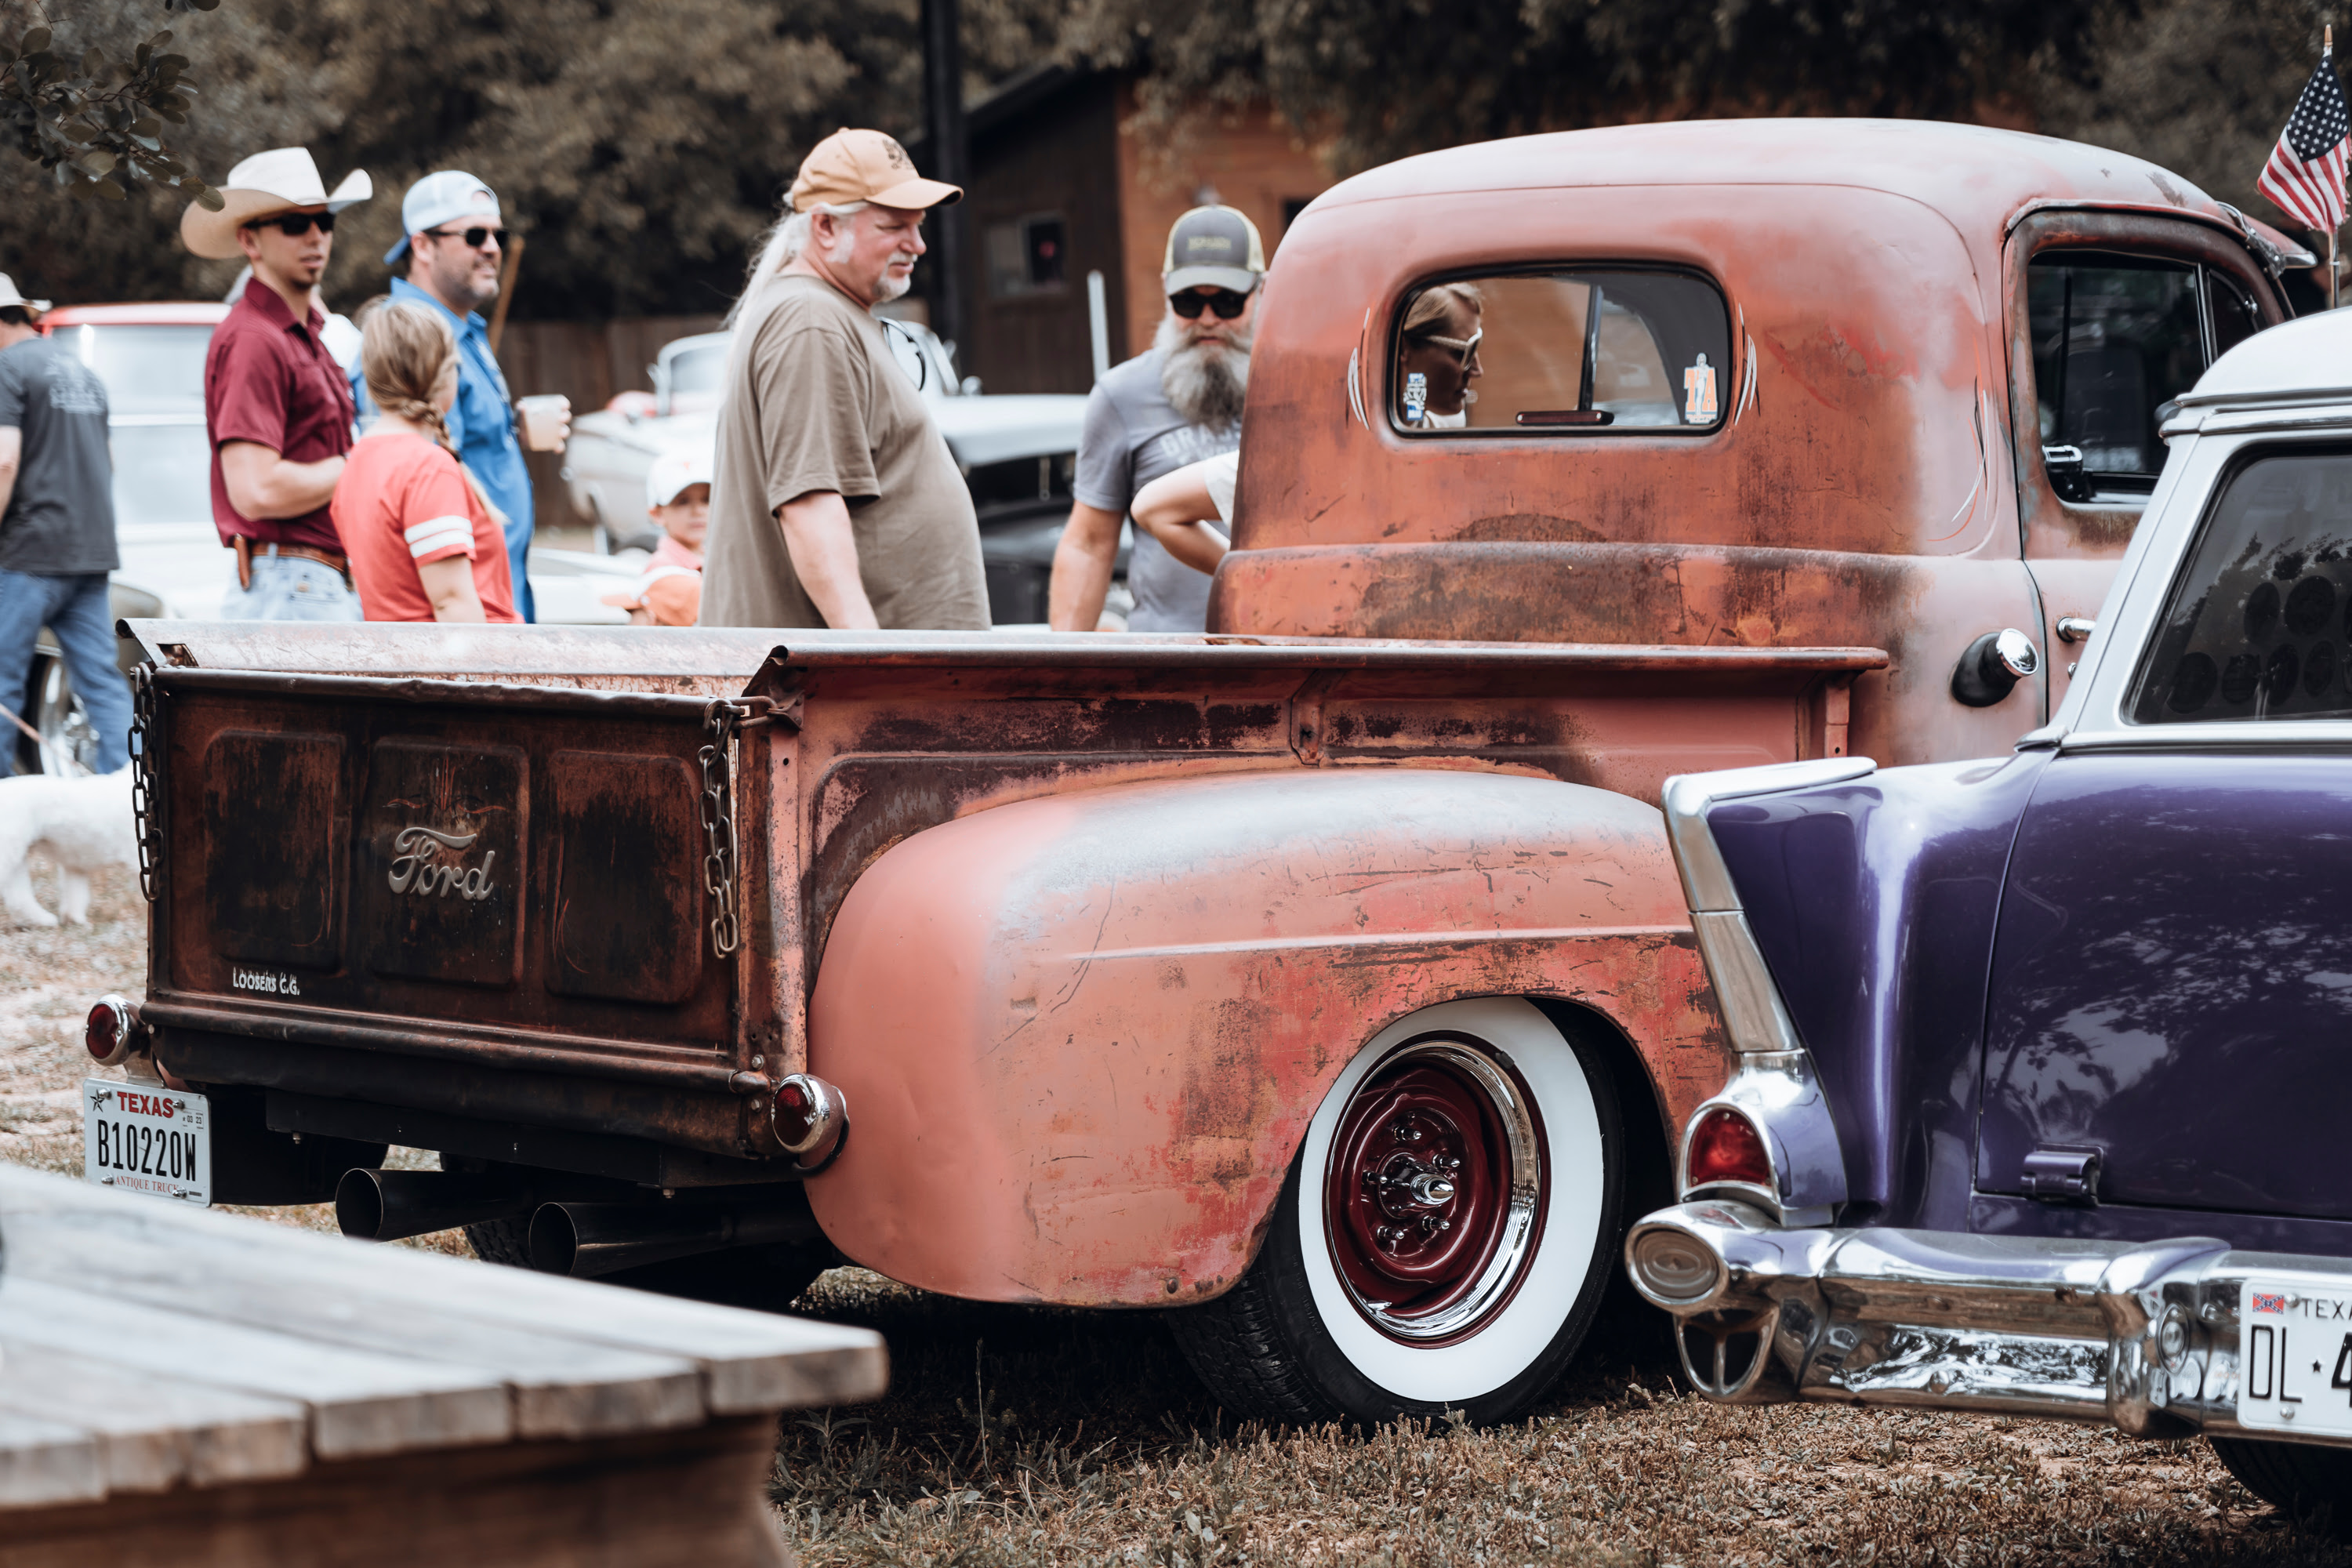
(82, 824)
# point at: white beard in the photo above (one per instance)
(1205, 381)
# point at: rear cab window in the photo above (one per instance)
(1568, 351)
(2260, 619)
(2117, 337)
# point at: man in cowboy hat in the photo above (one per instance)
(837, 502)
(57, 524)
(453, 239)
(276, 404)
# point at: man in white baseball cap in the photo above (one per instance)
(678, 497)
(277, 407)
(454, 238)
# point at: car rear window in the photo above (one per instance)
(1573, 351)
(146, 369)
(2260, 618)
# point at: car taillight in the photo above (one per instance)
(1725, 1147)
(810, 1117)
(108, 1036)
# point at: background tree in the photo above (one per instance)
(642, 147)
(95, 119)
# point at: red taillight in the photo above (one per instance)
(107, 1035)
(1725, 1147)
(809, 1118)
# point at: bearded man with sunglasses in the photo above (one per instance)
(454, 242)
(1175, 406)
(277, 407)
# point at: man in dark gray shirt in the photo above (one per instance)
(57, 526)
(1174, 405)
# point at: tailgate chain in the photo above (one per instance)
(722, 718)
(147, 822)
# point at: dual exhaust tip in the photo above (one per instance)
(583, 1240)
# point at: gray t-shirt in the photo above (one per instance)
(1133, 435)
(60, 518)
(815, 401)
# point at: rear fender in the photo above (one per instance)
(1080, 1037)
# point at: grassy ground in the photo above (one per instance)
(1019, 1436)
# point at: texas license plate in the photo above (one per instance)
(141, 1138)
(2295, 1351)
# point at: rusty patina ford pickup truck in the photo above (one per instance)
(1337, 994)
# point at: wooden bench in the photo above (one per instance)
(195, 1388)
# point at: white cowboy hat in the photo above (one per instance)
(8, 296)
(277, 181)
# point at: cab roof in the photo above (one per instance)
(2300, 361)
(1971, 174)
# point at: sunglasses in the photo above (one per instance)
(1224, 303)
(294, 225)
(1463, 347)
(474, 237)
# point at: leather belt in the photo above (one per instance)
(339, 565)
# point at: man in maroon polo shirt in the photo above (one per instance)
(276, 406)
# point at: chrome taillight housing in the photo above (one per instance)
(810, 1117)
(1725, 1147)
(113, 1031)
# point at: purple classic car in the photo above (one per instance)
(2046, 1059)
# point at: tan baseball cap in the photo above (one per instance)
(865, 166)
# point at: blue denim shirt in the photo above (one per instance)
(482, 423)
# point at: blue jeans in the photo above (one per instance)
(519, 564)
(75, 610)
(291, 588)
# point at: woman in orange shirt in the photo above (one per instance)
(425, 542)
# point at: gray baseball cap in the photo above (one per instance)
(437, 199)
(1216, 246)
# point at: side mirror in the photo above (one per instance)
(1992, 666)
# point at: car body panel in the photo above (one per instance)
(1138, 994)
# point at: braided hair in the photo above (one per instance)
(405, 350)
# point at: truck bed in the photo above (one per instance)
(453, 888)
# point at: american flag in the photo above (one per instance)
(2305, 174)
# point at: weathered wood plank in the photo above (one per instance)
(154, 1430)
(48, 1462)
(563, 1387)
(689, 1498)
(359, 1402)
(750, 1362)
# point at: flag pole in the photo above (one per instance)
(2326, 53)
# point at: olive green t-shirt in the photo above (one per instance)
(815, 402)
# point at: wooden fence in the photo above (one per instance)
(590, 362)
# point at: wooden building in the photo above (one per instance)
(1063, 183)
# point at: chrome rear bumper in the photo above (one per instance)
(2145, 1337)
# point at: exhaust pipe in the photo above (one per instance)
(586, 1240)
(385, 1205)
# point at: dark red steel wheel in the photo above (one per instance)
(1443, 1237)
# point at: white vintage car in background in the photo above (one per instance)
(1017, 452)
(152, 358)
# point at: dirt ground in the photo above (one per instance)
(1020, 1435)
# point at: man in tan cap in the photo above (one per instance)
(277, 407)
(836, 501)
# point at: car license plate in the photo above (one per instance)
(141, 1138)
(2294, 1355)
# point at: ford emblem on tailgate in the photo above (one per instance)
(421, 870)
